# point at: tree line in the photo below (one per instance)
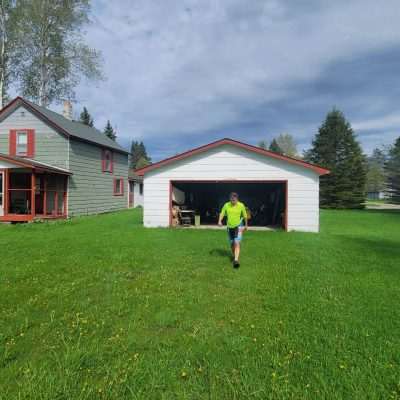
(138, 154)
(352, 173)
(87, 119)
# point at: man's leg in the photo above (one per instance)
(237, 251)
(236, 241)
(233, 249)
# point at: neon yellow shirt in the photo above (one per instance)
(234, 213)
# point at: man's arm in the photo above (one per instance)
(244, 214)
(221, 216)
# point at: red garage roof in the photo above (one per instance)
(319, 170)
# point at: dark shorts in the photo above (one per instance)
(235, 234)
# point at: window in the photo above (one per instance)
(141, 188)
(107, 161)
(118, 187)
(22, 143)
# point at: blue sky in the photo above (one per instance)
(183, 73)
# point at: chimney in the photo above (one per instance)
(67, 111)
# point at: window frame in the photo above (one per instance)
(119, 191)
(18, 134)
(30, 143)
(107, 156)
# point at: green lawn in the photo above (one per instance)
(99, 307)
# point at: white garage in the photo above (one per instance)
(279, 191)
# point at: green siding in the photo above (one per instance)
(51, 147)
(90, 190)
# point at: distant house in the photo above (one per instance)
(135, 190)
(54, 167)
(280, 192)
(375, 195)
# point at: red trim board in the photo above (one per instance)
(316, 168)
(285, 182)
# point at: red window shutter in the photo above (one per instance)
(12, 141)
(31, 143)
(112, 161)
(103, 161)
(122, 186)
(115, 186)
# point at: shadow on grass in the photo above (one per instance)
(385, 248)
(382, 211)
(221, 253)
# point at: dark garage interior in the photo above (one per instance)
(198, 203)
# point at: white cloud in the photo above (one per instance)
(389, 121)
(186, 67)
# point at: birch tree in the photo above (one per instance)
(8, 44)
(56, 56)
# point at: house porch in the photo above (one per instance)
(29, 194)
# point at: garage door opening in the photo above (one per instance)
(198, 203)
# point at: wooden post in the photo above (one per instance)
(65, 195)
(33, 190)
(44, 195)
(55, 211)
(6, 187)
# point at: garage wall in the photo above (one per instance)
(231, 163)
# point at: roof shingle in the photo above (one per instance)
(73, 128)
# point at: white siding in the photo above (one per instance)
(138, 199)
(231, 163)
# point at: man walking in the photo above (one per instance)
(236, 221)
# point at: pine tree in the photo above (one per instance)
(376, 171)
(134, 154)
(86, 118)
(142, 162)
(335, 147)
(392, 168)
(263, 144)
(275, 147)
(109, 131)
(143, 152)
(139, 157)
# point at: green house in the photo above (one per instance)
(54, 167)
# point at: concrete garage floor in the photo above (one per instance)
(251, 228)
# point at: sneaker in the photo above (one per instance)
(236, 264)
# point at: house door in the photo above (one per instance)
(1, 193)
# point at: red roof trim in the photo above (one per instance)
(316, 168)
(52, 124)
(34, 111)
